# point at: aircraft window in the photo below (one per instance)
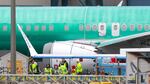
(87, 27)
(5, 28)
(94, 27)
(147, 27)
(36, 28)
(102, 29)
(132, 27)
(124, 27)
(66, 28)
(139, 27)
(28, 28)
(115, 29)
(81, 27)
(51, 28)
(43, 28)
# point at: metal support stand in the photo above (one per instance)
(69, 69)
(64, 79)
(13, 37)
(137, 81)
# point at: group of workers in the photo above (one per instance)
(64, 69)
(61, 69)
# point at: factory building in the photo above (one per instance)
(77, 2)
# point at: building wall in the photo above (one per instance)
(144, 66)
(47, 2)
(130, 58)
(23, 61)
(139, 2)
(26, 2)
(113, 2)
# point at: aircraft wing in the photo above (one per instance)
(29, 45)
(103, 42)
(58, 56)
(121, 39)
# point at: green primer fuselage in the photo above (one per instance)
(49, 24)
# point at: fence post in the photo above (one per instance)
(119, 80)
(64, 79)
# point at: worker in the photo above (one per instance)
(73, 70)
(102, 72)
(119, 68)
(33, 67)
(55, 2)
(30, 60)
(62, 69)
(94, 67)
(65, 63)
(56, 70)
(78, 68)
(48, 70)
(59, 67)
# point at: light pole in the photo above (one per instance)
(13, 37)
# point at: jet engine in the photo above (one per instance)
(74, 48)
(69, 47)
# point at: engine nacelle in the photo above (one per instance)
(69, 47)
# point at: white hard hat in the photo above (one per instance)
(77, 60)
(35, 63)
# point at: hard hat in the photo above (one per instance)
(77, 60)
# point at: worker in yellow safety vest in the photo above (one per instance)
(65, 63)
(78, 68)
(33, 68)
(48, 70)
(63, 69)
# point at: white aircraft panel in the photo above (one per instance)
(83, 50)
(72, 48)
(61, 48)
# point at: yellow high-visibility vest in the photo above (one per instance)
(65, 64)
(79, 68)
(48, 70)
(33, 68)
(63, 70)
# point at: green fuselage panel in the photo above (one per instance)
(49, 24)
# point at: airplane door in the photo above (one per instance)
(102, 29)
(115, 29)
